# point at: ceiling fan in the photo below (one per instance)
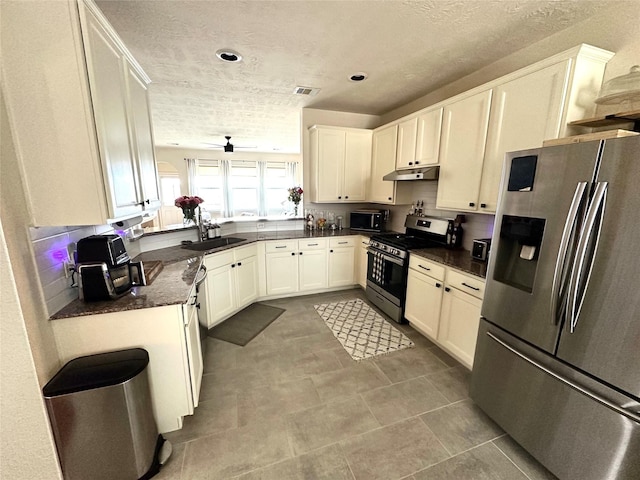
(229, 147)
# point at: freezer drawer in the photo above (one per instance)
(568, 431)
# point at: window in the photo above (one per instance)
(233, 188)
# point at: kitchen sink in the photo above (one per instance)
(213, 243)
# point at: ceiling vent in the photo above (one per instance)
(306, 91)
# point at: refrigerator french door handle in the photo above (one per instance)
(635, 416)
(567, 235)
(595, 212)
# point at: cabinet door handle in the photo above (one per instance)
(330, 251)
(300, 253)
(471, 204)
(483, 205)
(293, 253)
(411, 163)
(424, 268)
(339, 198)
(198, 305)
(312, 244)
(346, 197)
(417, 163)
(447, 289)
(390, 198)
(281, 246)
(239, 264)
(342, 243)
(469, 286)
(233, 265)
(438, 285)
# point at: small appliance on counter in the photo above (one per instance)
(369, 220)
(104, 268)
(481, 248)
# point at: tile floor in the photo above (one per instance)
(292, 404)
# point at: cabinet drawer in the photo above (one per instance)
(241, 253)
(342, 242)
(465, 283)
(427, 267)
(218, 259)
(281, 246)
(312, 244)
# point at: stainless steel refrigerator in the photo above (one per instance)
(557, 362)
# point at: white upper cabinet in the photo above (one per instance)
(78, 110)
(419, 140)
(464, 134)
(527, 107)
(340, 163)
(383, 161)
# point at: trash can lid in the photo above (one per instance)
(96, 371)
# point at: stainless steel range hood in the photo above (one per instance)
(428, 172)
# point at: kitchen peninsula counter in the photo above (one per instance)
(459, 259)
(179, 269)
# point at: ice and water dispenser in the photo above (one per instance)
(520, 236)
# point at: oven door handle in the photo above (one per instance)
(389, 258)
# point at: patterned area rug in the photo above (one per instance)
(361, 330)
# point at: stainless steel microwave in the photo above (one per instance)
(369, 220)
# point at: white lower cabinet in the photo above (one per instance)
(232, 282)
(194, 347)
(169, 334)
(296, 265)
(444, 305)
(362, 260)
(424, 296)
(342, 258)
(459, 321)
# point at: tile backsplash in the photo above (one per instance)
(51, 250)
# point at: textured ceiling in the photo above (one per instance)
(408, 49)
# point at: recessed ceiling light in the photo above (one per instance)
(358, 77)
(228, 55)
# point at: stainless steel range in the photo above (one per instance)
(388, 262)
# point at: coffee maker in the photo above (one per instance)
(104, 268)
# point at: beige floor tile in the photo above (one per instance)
(323, 464)
(172, 469)
(403, 400)
(276, 400)
(236, 451)
(211, 416)
(452, 383)
(461, 426)
(329, 423)
(523, 459)
(393, 451)
(485, 462)
(348, 381)
(409, 363)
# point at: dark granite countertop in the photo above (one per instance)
(459, 259)
(179, 268)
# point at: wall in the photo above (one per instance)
(615, 30)
(27, 349)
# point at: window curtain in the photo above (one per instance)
(225, 172)
(262, 196)
(191, 175)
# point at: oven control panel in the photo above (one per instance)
(387, 249)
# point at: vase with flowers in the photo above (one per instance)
(295, 195)
(188, 206)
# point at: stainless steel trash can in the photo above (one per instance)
(102, 419)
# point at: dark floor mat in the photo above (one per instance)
(246, 324)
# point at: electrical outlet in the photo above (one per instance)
(68, 268)
(260, 225)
